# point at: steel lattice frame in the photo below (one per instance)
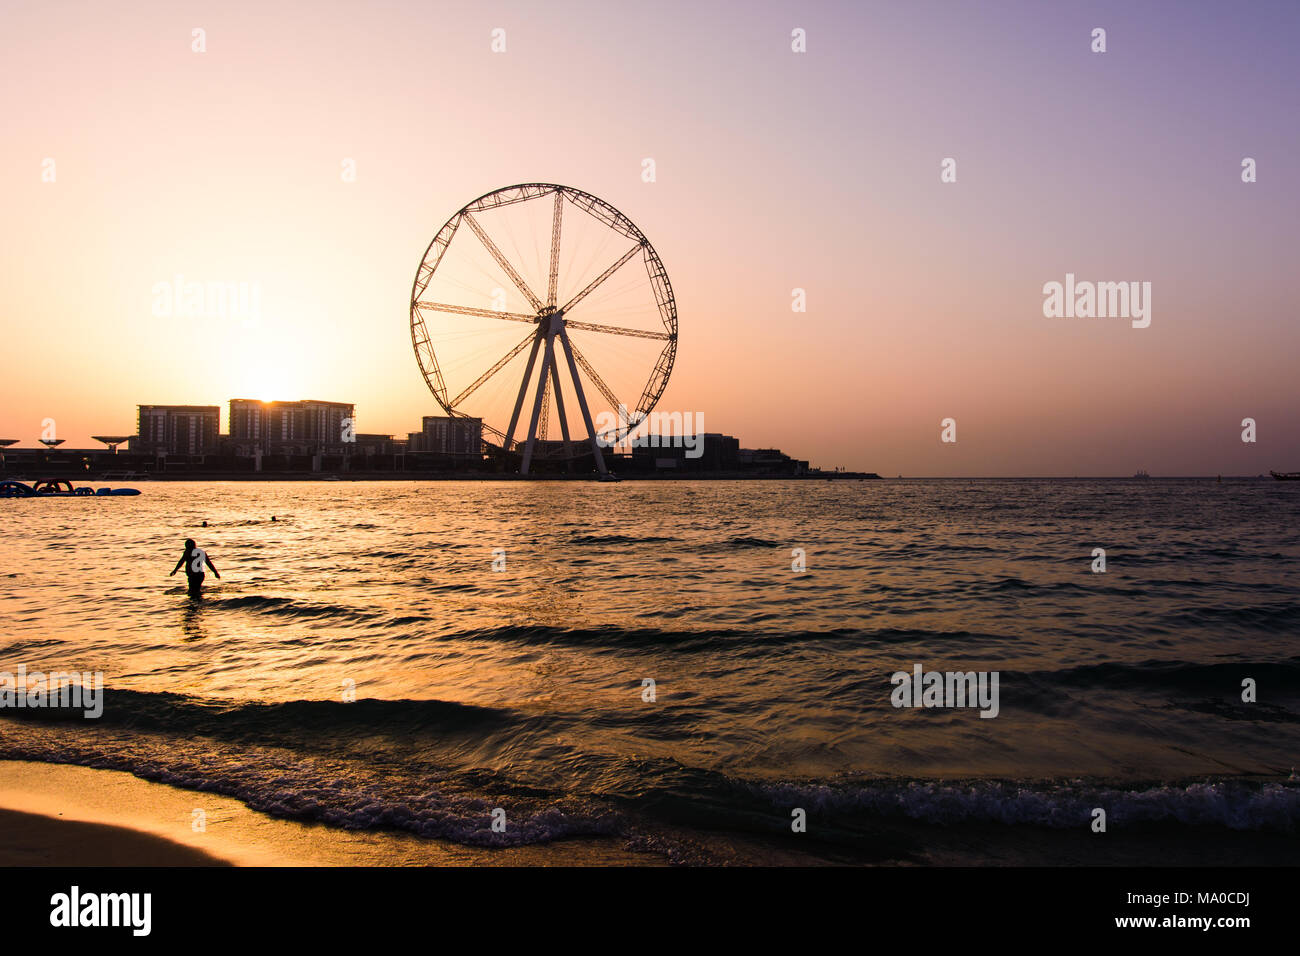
(549, 336)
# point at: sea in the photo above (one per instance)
(700, 672)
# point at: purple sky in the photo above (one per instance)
(775, 171)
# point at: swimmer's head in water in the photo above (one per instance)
(189, 544)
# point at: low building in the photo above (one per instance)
(721, 452)
(379, 445)
(770, 461)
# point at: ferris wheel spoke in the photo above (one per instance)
(596, 380)
(505, 360)
(617, 330)
(591, 287)
(470, 310)
(555, 249)
(509, 270)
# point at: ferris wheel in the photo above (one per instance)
(599, 307)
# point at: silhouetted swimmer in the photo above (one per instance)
(192, 560)
(272, 517)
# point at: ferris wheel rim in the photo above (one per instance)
(661, 289)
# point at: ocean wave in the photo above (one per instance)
(292, 787)
(1280, 615)
(1235, 804)
(630, 798)
(1220, 678)
(618, 539)
(733, 640)
(288, 607)
(295, 720)
(742, 542)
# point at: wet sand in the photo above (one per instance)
(28, 839)
(63, 815)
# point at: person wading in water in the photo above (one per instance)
(193, 560)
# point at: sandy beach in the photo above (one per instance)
(66, 815)
(29, 839)
(63, 815)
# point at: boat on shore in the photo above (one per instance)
(1286, 475)
(58, 488)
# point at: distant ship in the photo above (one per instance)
(1142, 473)
(1286, 475)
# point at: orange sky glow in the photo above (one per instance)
(774, 171)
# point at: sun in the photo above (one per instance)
(267, 373)
(265, 383)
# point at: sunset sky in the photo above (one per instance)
(775, 170)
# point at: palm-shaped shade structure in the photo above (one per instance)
(112, 441)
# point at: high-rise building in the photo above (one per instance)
(177, 429)
(324, 421)
(452, 436)
(310, 424)
(247, 420)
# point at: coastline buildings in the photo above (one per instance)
(718, 454)
(176, 429)
(310, 436)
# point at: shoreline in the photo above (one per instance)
(69, 815)
(354, 477)
(333, 477)
(73, 816)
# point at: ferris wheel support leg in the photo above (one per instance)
(548, 359)
(559, 407)
(582, 403)
(523, 389)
